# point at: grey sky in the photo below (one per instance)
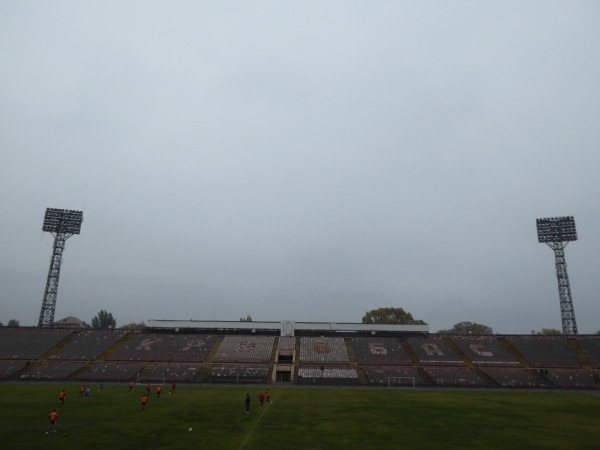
(307, 161)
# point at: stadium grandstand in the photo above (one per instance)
(303, 353)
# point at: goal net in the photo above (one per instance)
(151, 382)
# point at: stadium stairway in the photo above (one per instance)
(44, 356)
(456, 349)
(273, 359)
(203, 373)
(79, 371)
(207, 364)
(581, 358)
(362, 375)
(294, 376)
(102, 357)
(514, 352)
(415, 360)
(68, 338)
(28, 365)
(524, 363)
(115, 347)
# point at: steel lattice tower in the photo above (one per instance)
(63, 224)
(557, 232)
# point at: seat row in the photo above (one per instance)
(556, 352)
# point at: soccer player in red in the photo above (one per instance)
(262, 399)
(130, 386)
(53, 416)
(61, 398)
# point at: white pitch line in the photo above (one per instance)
(257, 422)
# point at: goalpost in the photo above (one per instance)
(151, 382)
(414, 386)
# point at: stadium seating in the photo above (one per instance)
(573, 379)
(514, 378)
(89, 345)
(392, 376)
(111, 371)
(238, 373)
(180, 372)
(164, 347)
(329, 350)
(379, 351)
(9, 368)
(484, 351)
(590, 345)
(336, 375)
(527, 361)
(455, 376)
(28, 343)
(545, 351)
(51, 370)
(287, 343)
(433, 350)
(255, 349)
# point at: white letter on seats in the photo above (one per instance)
(432, 349)
(145, 345)
(479, 349)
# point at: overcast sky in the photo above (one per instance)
(303, 161)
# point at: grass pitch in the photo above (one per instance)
(298, 419)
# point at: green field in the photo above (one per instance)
(298, 419)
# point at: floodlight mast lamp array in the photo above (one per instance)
(62, 224)
(557, 232)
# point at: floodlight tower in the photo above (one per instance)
(557, 232)
(62, 223)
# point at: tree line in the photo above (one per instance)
(386, 315)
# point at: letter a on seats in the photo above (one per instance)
(432, 349)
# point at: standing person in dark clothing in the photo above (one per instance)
(247, 403)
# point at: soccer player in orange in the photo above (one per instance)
(144, 401)
(158, 390)
(268, 395)
(81, 389)
(53, 416)
(61, 398)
